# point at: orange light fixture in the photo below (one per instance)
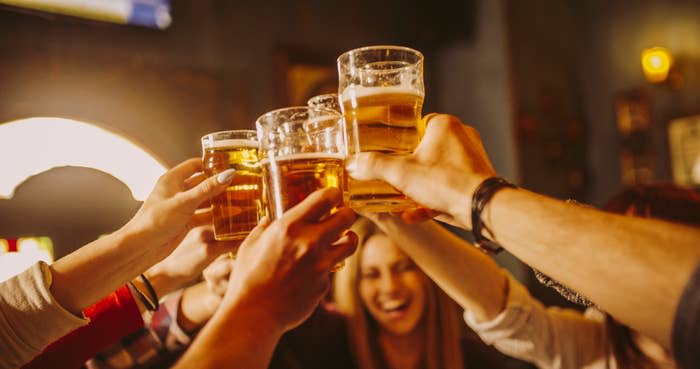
(656, 63)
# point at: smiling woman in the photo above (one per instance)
(398, 317)
(34, 145)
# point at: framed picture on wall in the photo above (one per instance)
(303, 73)
(684, 143)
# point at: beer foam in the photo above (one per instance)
(356, 92)
(305, 156)
(236, 142)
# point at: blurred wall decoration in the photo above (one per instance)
(684, 142)
(633, 109)
(303, 73)
(147, 13)
(551, 129)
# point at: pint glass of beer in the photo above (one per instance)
(236, 211)
(300, 152)
(381, 93)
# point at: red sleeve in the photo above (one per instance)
(110, 319)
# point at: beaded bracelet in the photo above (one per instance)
(481, 197)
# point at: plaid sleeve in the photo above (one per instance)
(160, 340)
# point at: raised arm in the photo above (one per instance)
(634, 268)
(467, 275)
(100, 267)
(45, 302)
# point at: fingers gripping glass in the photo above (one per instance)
(236, 211)
(301, 151)
(381, 94)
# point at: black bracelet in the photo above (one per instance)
(151, 302)
(481, 197)
(152, 291)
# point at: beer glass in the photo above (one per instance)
(381, 93)
(300, 152)
(328, 101)
(237, 210)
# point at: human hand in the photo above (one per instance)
(217, 275)
(199, 302)
(185, 264)
(282, 269)
(442, 173)
(169, 211)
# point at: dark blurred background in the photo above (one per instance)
(545, 81)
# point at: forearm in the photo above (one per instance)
(237, 338)
(633, 268)
(100, 267)
(466, 274)
(197, 306)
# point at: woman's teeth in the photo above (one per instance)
(394, 305)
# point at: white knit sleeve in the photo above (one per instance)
(30, 317)
(551, 338)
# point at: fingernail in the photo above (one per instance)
(225, 176)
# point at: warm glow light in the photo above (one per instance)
(36, 245)
(656, 62)
(31, 146)
(29, 251)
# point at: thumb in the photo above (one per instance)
(208, 188)
(259, 229)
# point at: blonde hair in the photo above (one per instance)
(442, 321)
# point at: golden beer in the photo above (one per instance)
(291, 178)
(237, 210)
(381, 92)
(385, 120)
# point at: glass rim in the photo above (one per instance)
(382, 47)
(323, 96)
(231, 130)
(259, 120)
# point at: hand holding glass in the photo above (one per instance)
(236, 211)
(381, 91)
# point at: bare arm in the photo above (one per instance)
(633, 268)
(100, 267)
(466, 274)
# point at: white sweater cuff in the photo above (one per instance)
(518, 300)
